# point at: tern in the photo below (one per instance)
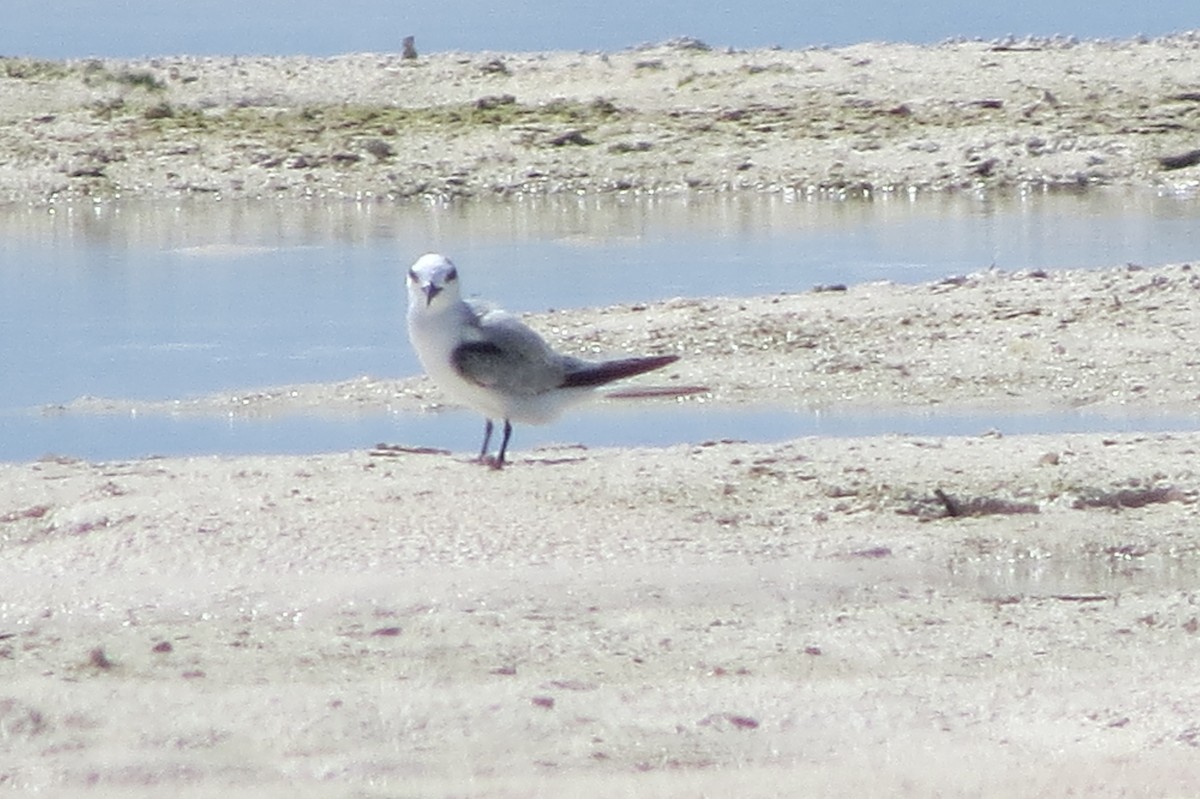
(491, 361)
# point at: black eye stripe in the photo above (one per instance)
(452, 275)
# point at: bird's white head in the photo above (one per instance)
(432, 283)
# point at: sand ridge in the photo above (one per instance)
(673, 118)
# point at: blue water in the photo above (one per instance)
(172, 301)
(132, 28)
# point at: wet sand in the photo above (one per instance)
(983, 616)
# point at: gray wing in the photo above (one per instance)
(501, 352)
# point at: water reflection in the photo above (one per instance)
(782, 241)
(1072, 577)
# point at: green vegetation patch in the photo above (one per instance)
(32, 69)
(313, 121)
(95, 73)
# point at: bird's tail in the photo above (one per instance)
(597, 374)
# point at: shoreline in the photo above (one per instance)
(1095, 339)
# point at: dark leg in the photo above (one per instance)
(499, 464)
(487, 439)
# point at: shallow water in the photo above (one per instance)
(179, 300)
(28, 436)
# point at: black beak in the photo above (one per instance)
(431, 291)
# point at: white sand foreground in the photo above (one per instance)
(755, 620)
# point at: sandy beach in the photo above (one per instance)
(889, 616)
